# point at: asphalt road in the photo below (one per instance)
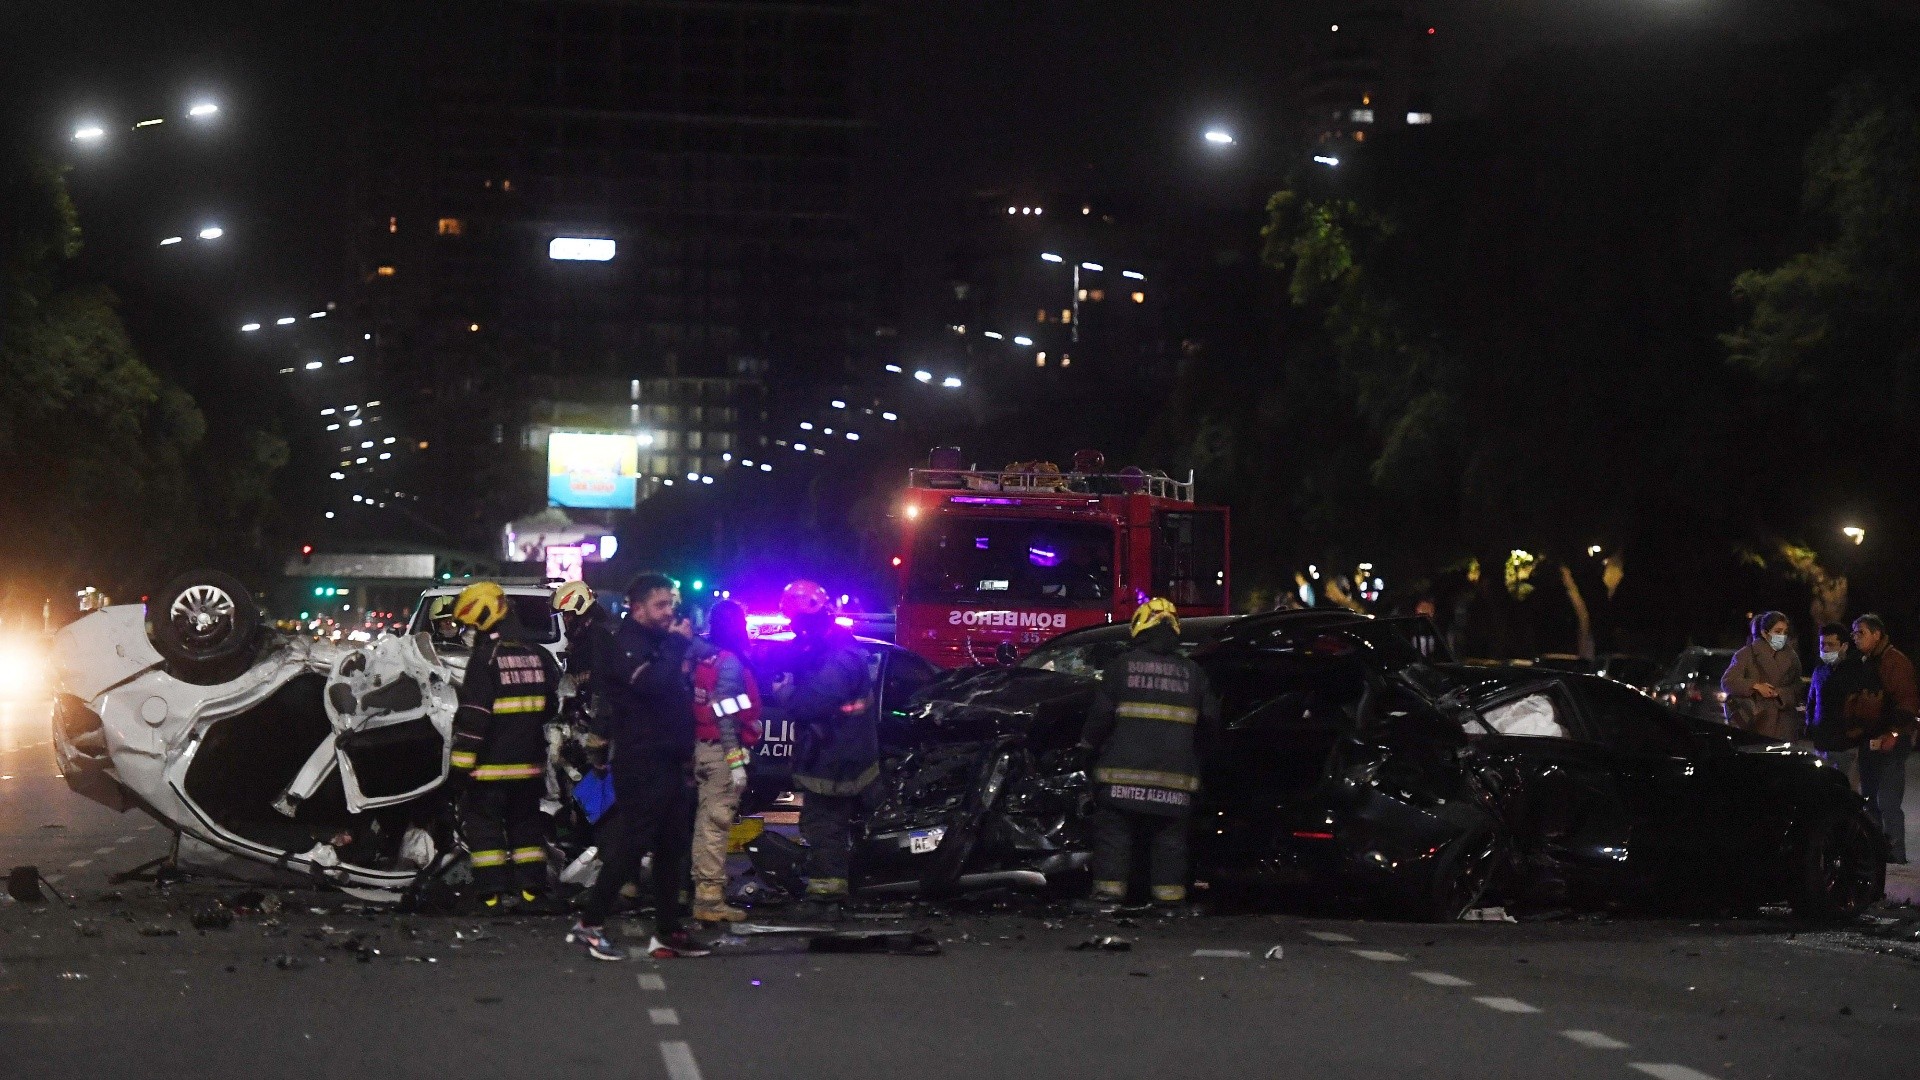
(121, 983)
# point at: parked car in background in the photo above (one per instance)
(1692, 685)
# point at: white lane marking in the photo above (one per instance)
(664, 1017)
(103, 851)
(1329, 937)
(1440, 978)
(1506, 1004)
(1595, 1040)
(51, 879)
(1224, 954)
(126, 840)
(1376, 954)
(78, 863)
(650, 981)
(1664, 1070)
(679, 1059)
(148, 827)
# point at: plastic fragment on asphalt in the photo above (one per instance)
(1104, 943)
(764, 928)
(1661, 1070)
(1224, 954)
(1487, 914)
(1276, 953)
(73, 976)
(890, 942)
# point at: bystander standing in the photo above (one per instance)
(1763, 682)
(1837, 736)
(1892, 699)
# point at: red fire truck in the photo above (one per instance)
(994, 562)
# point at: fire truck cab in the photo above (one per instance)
(1001, 559)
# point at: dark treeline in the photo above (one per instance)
(1607, 366)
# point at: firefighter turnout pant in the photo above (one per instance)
(505, 834)
(652, 814)
(1113, 837)
(826, 824)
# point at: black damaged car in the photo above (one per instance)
(1351, 765)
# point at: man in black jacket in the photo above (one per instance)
(649, 729)
(1836, 736)
(1152, 708)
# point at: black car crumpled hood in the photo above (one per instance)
(978, 703)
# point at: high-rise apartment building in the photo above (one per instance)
(602, 191)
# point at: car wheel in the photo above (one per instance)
(1839, 867)
(1464, 874)
(206, 625)
(964, 825)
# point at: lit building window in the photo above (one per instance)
(1139, 298)
(1083, 294)
(1359, 136)
(384, 271)
(1066, 315)
(1039, 359)
(1362, 116)
(1042, 317)
(506, 185)
(1419, 118)
(1065, 360)
(393, 224)
(1096, 295)
(452, 226)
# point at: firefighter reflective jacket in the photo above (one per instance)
(509, 693)
(837, 737)
(1151, 707)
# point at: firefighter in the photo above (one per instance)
(508, 694)
(837, 743)
(446, 630)
(1152, 706)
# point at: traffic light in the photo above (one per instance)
(306, 553)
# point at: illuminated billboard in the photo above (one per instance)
(580, 249)
(592, 471)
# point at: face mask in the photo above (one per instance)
(1777, 641)
(1830, 657)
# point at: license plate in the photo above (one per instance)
(921, 841)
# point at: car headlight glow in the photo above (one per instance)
(23, 668)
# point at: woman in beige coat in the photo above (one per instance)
(1763, 683)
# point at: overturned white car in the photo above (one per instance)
(318, 758)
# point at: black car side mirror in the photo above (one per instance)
(1005, 654)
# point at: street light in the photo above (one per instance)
(1051, 257)
(923, 376)
(1326, 159)
(1219, 137)
(1855, 533)
(203, 109)
(89, 133)
(171, 240)
(212, 232)
(951, 382)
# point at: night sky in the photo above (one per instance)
(1061, 94)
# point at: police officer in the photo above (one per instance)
(509, 692)
(1151, 705)
(837, 742)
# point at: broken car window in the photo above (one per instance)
(1536, 714)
